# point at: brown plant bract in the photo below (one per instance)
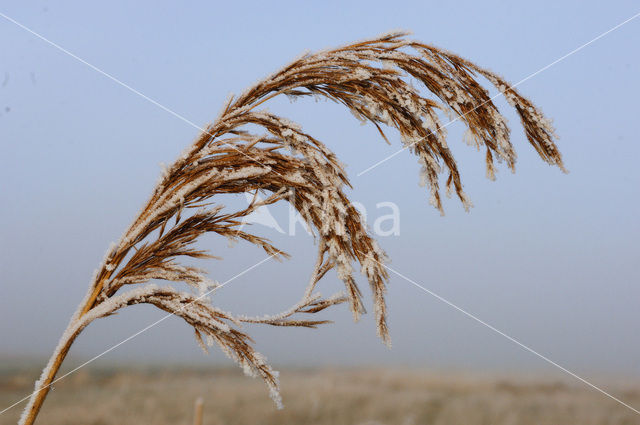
(370, 79)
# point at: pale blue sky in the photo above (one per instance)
(551, 259)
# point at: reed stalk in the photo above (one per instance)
(373, 79)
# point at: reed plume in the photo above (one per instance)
(372, 78)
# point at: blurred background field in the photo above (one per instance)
(366, 396)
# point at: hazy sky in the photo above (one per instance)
(548, 258)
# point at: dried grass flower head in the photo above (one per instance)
(371, 78)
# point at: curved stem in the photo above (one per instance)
(43, 385)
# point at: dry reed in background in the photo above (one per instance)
(372, 79)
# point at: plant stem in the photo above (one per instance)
(45, 382)
(197, 415)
